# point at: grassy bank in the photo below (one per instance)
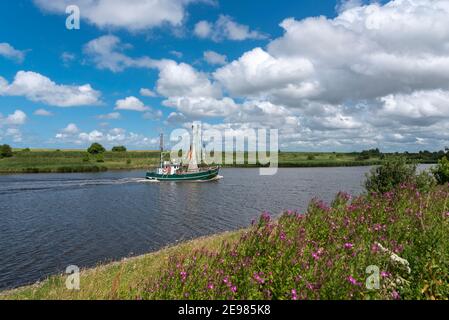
(118, 280)
(402, 236)
(42, 161)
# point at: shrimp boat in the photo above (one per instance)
(174, 171)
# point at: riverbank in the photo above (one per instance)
(400, 237)
(66, 161)
(116, 280)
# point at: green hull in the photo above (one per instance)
(197, 176)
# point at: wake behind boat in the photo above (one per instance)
(172, 171)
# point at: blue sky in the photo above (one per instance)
(329, 83)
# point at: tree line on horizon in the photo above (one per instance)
(425, 155)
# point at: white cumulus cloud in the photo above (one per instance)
(39, 88)
(214, 58)
(71, 129)
(109, 138)
(9, 52)
(109, 116)
(226, 28)
(14, 119)
(132, 15)
(259, 72)
(106, 52)
(147, 93)
(182, 80)
(43, 113)
(132, 104)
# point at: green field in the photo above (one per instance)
(35, 161)
(46, 160)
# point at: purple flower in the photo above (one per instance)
(294, 295)
(282, 236)
(349, 245)
(266, 217)
(234, 289)
(210, 286)
(447, 214)
(385, 274)
(395, 295)
(316, 255)
(353, 281)
(258, 278)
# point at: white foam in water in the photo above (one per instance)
(140, 180)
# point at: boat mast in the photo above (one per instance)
(193, 163)
(162, 149)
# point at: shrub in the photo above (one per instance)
(311, 157)
(86, 157)
(119, 149)
(100, 158)
(96, 148)
(367, 154)
(425, 181)
(441, 171)
(5, 151)
(390, 174)
(363, 156)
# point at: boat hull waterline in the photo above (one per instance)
(195, 176)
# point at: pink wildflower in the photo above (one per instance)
(282, 236)
(353, 281)
(258, 278)
(294, 295)
(395, 295)
(266, 217)
(385, 274)
(349, 245)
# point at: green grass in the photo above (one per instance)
(322, 254)
(46, 160)
(76, 161)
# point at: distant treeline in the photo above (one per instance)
(421, 156)
(97, 158)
